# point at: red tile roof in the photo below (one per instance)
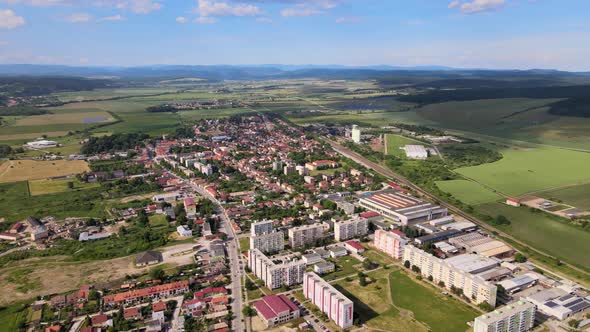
(131, 313)
(271, 305)
(159, 306)
(369, 214)
(139, 293)
(355, 245)
(99, 319)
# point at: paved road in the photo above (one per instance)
(392, 175)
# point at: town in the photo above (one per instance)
(256, 224)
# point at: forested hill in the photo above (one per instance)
(25, 86)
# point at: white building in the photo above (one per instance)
(356, 134)
(275, 275)
(41, 144)
(558, 303)
(416, 151)
(261, 227)
(352, 228)
(453, 275)
(305, 235)
(516, 317)
(402, 207)
(328, 299)
(184, 231)
(324, 267)
(268, 243)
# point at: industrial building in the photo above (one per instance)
(390, 242)
(416, 151)
(276, 272)
(454, 274)
(338, 307)
(558, 303)
(402, 207)
(349, 229)
(516, 317)
(276, 309)
(482, 245)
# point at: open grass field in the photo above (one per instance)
(345, 266)
(578, 196)
(468, 192)
(395, 142)
(523, 171)
(545, 232)
(30, 136)
(439, 312)
(44, 187)
(158, 220)
(23, 170)
(109, 93)
(244, 244)
(64, 118)
(373, 118)
(11, 317)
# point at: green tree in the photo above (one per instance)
(157, 273)
(248, 311)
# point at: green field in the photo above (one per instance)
(523, 171)
(43, 187)
(244, 244)
(468, 192)
(543, 231)
(13, 317)
(158, 220)
(441, 313)
(345, 266)
(578, 196)
(395, 142)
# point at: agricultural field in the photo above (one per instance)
(23, 170)
(44, 187)
(98, 94)
(65, 118)
(395, 142)
(468, 192)
(369, 119)
(548, 233)
(578, 196)
(523, 171)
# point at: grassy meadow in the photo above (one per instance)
(578, 196)
(23, 170)
(395, 142)
(468, 192)
(44, 187)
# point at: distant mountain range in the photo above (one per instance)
(277, 71)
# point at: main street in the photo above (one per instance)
(388, 173)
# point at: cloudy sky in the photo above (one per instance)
(462, 33)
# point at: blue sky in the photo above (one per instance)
(463, 33)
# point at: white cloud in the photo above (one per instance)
(477, 6)
(351, 19)
(300, 11)
(264, 20)
(37, 3)
(9, 19)
(217, 8)
(112, 18)
(205, 20)
(181, 19)
(79, 18)
(139, 6)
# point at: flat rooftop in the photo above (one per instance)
(472, 263)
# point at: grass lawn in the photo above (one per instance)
(244, 244)
(43, 187)
(329, 171)
(12, 317)
(578, 196)
(254, 294)
(546, 232)
(344, 266)
(525, 171)
(441, 313)
(22, 170)
(468, 192)
(395, 142)
(378, 257)
(158, 220)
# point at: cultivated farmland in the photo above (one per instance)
(468, 192)
(395, 142)
(65, 118)
(578, 196)
(23, 170)
(44, 187)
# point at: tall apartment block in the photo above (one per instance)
(261, 227)
(268, 243)
(516, 317)
(391, 243)
(276, 275)
(349, 229)
(338, 307)
(301, 236)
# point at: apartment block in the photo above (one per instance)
(268, 243)
(473, 286)
(349, 229)
(338, 307)
(261, 227)
(516, 317)
(391, 243)
(302, 236)
(276, 272)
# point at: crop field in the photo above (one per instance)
(44, 187)
(65, 118)
(29, 136)
(374, 119)
(22, 170)
(108, 93)
(545, 232)
(395, 142)
(524, 171)
(468, 192)
(578, 196)
(441, 313)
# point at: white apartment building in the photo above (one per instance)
(338, 307)
(356, 134)
(391, 243)
(349, 229)
(473, 286)
(516, 317)
(275, 275)
(268, 243)
(301, 236)
(261, 227)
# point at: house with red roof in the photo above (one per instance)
(354, 247)
(101, 320)
(132, 314)
(53, 328)
(276, 309)
(153, 293)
